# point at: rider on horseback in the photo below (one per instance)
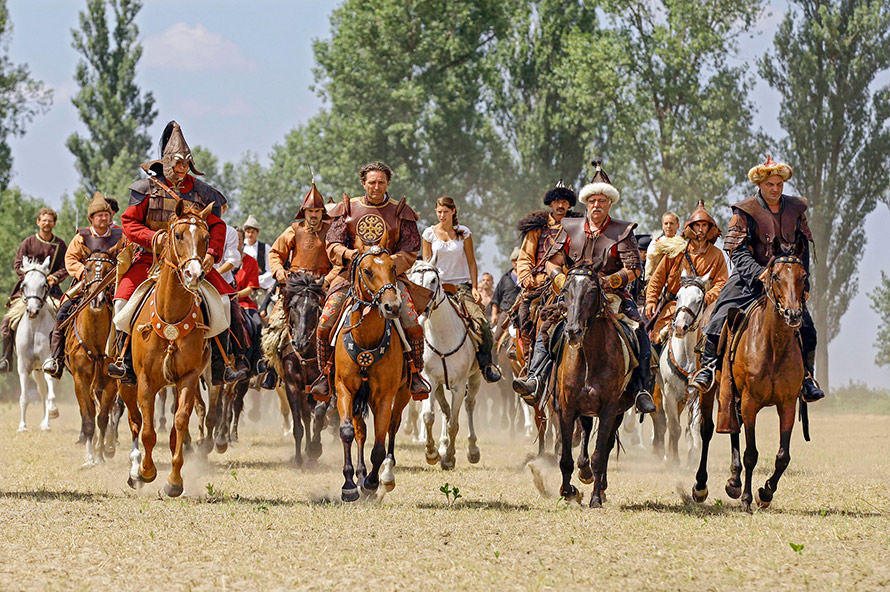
(699, 258)
(756, 222)
(611, 247)
(98, 237)
(146, 221)
(449, 247)
(374, 219)
(36, 247)
(301, 248)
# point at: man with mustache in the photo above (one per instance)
(611, 247)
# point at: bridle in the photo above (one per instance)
(439, 294)
(176, 263)
(590, 273)
(97, 273)
(41, 298)
(786, 313)
(375, 298)
(696, 282)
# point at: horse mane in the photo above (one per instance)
(537, 220)
(300, 283)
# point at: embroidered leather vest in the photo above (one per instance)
(162, 205)
(601, 251)
(768, 226)
(545, 241)
(374, 225)
(309, 252)
(100, 243)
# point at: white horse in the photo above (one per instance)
(32, 339)
(449, 361)
(677, 362)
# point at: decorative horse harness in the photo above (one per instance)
(434, 303)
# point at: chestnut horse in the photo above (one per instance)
(591, 379)
(767, 369)
(377, 378)
(178, 357)
(85, 352)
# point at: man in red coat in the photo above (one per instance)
(146, 220)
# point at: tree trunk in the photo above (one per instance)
(821, 349)
(819, 309)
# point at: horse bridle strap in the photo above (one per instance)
(693, 281)
(375, 298)
(365, 358)
(177, 330)
(46, 289)
(770, 293)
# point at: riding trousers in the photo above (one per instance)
(477, 314)
(337, 297)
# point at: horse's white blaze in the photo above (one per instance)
(378, 260)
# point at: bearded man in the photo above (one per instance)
(611, 247)
(756, 222)
(302, 246)
(698, 259)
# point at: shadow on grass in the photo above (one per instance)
(733, 508)
(500, 506)
(49, 495)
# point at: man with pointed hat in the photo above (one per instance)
(756, 222)
(99, 237)
(302, 247)
(259, 251)
(611, 247)
(699, 258)
(373, 219)
(145, 223)
(36, 247)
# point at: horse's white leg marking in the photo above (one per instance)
(135, 460)
(23, 396)
(446, 413)
(429, 416)
(473, 453)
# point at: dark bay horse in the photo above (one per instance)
(168, 345)
(86, 359)
(376, 378)
(767, 369)
(591, 379)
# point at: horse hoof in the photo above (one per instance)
(44, 427)
(23, 428)
(110, 452)
(746, 506)
(571, 495)
(349, 495)
(89, 463)
(221, 447)
(585, 475)
(172, 490)
(473, 456)
(54, 412)
(596, 502)
(764, 498)
(297, 461)
(431, 458)
(699, 495)
(145, 479)
(369, 488)
(134, 483)
(733, 491)
(447, 464)
(388, 485)
(314, 451)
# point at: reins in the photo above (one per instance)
(434, 305)
(769, 290)
(41, 299)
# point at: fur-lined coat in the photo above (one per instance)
(538, 231)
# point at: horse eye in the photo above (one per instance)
(368, 272)
(178, 235)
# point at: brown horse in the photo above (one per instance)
(168, 344)
(85, 352)
(767, 369)
(374, 375)
(591, 379)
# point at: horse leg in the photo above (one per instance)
(48, 391)
(566, 463)
(128, 395)
(541, 425)
(783, 458)
(287, 418)
(451, 423)
(292, 394)
(601, 457)
(107, 396)
(671, 405)
(211, 416)
(700, 489)
(429, 417)
(349, 492)
(361, 436)
(146, 400)
(609, 447)
(585, 472)
(227, 393)
(201, 413)
(382, 410)
(734, 483)
(387, 476)
(319, 413)
(23, 396)
(87, 415)
(117, 411)
(750, 459)
(160, 409)
(473, 453)
(237, 407)
(185, 402)
(693, 428)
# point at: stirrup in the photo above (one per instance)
(646, 397)
(812, 393)
(419, 387)
(321, 388)
(693, 380)
(54, 368)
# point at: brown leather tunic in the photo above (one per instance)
(301, 249)
(783, 225)
(615, 247)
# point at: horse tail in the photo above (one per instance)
(361, 400)
(167, 366)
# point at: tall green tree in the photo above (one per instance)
(117, 114)
(18, 217)
(826, 57)
(880, 303)
(679, 118)
(21, 97)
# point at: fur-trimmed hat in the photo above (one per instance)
(643, 241)
(762, 172)
(700, 214)
(599, 184)
(312, 199)
(560, 191)
(98, 205)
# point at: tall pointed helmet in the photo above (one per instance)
(173, 149)
(98, 204)
(312, 199)
(762, 172)
(599, 184)
(700, 214)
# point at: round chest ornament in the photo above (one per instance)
(171, 332)
(365, 359)
(371, 229)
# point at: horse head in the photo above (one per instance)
(374, 281)
(784, 281)
(35, 286)
(303, 297)
(187, 242)
(426, 274)
(96, 266)
(583, 297)
(690, 302)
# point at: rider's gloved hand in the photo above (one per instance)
(559, 281)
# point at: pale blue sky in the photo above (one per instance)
(236, 75)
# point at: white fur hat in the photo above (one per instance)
(599, 185)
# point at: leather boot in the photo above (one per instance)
(322, 387)
(490, 372)
(122, 368)
(419, 388)
(220, 372)
(55, 365)
(704, 378)
(6, 359)
(810, 388)
(539, 363)
(270, 381)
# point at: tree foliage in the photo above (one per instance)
(18, 218)
(21, 97)
(880, 303)
(825, 59)
(116, 113)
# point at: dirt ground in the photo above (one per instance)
(251, 521)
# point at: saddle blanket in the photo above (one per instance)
(216, 306)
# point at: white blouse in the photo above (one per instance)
(449, 256)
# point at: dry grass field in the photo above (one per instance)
(250, 521)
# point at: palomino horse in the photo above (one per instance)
(767, 369)
(85, 351)
(32, 339)
(591, 381)
(677, 362)
(370, 370)
(449, 362)
(168, 345)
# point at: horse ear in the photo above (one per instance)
(683, 273)
(45, 263)
(800, 246)
(777, 247)
(205, 213)
(180, 208)
(707, 276)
